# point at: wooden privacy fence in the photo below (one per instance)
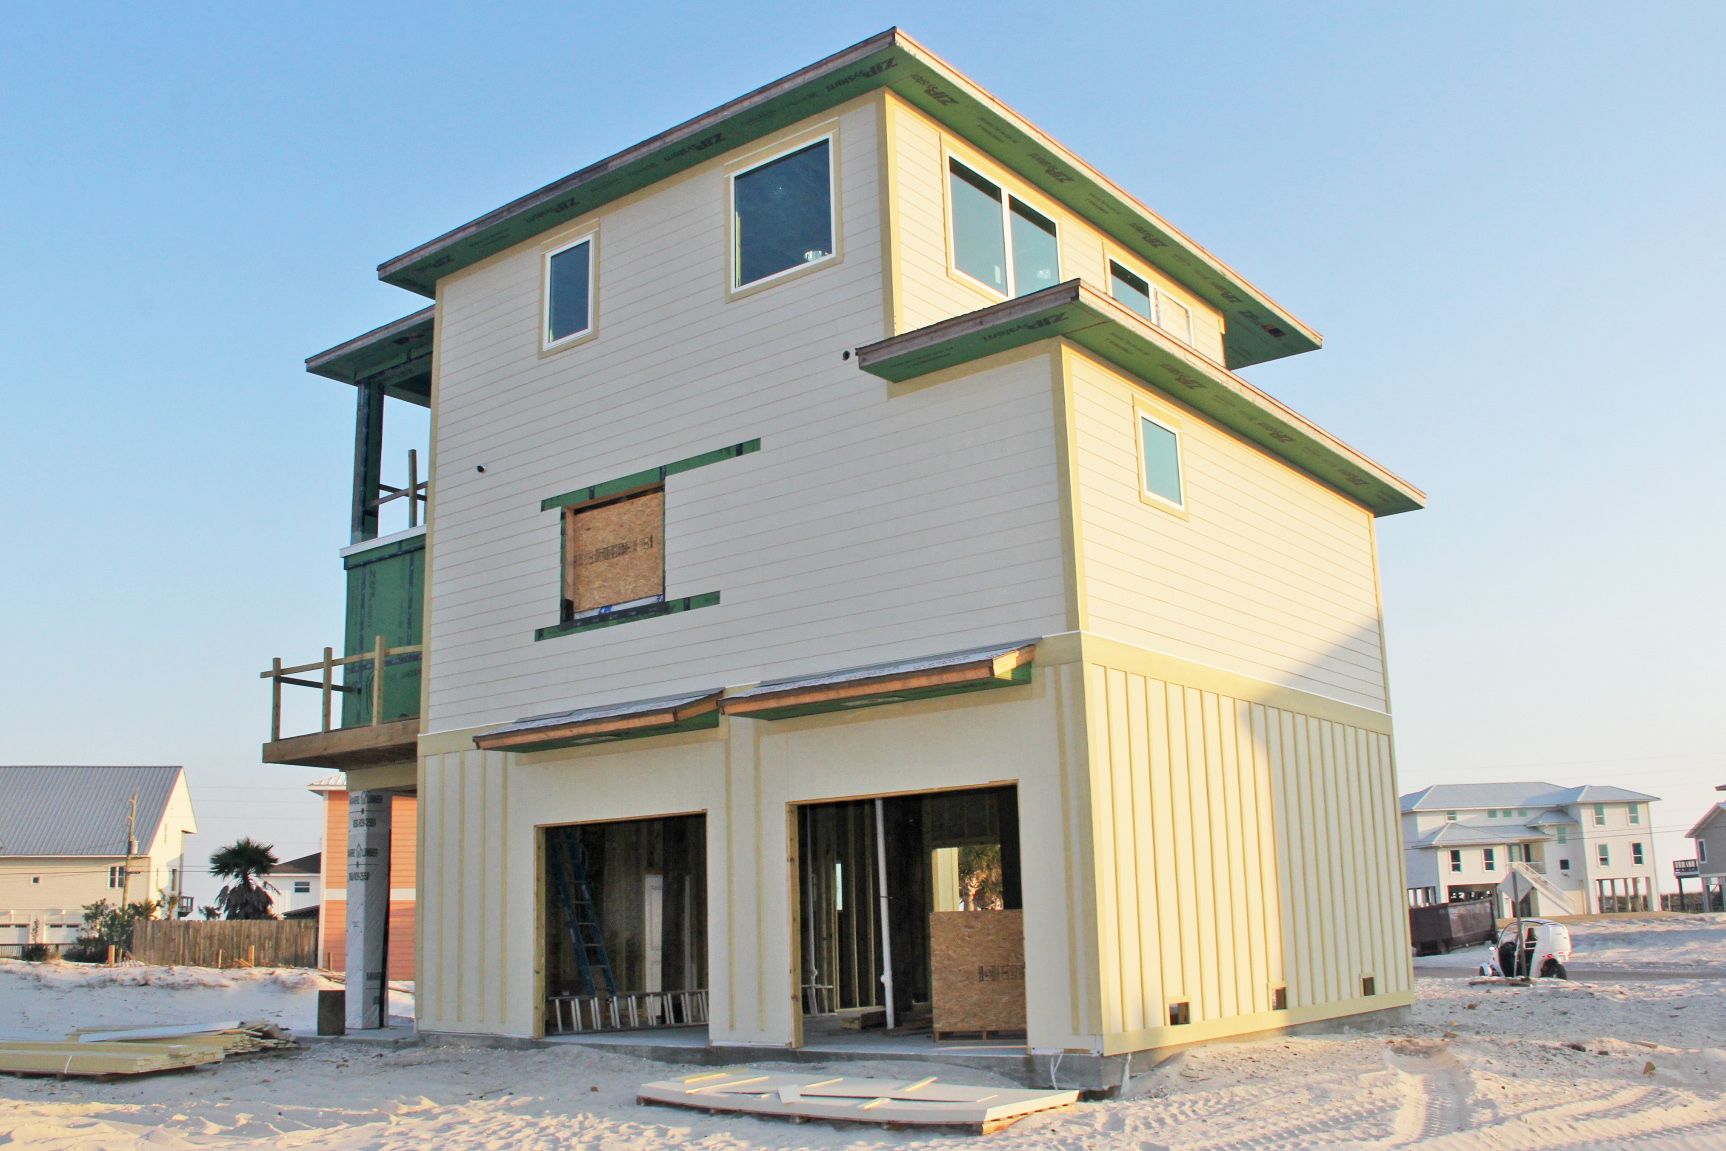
(227, 942)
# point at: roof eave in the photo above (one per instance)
(396, 355)
(1101, 326)
(1258, 328)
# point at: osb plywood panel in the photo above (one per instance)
(979, 970)
(615, 552)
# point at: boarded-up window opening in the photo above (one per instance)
(614, 553)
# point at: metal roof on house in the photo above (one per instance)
(1463, 796)
(51, 811)
(1461, 834)
(1713, 814)
(1551, 819)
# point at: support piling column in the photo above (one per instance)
(368, 909)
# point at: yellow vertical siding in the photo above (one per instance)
(1245, 839)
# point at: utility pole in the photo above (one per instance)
(131, 850)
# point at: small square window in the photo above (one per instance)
(1564, 865)
(1160, 452)
(1279, 999)
(302, 887)
(569, 292)
(1180, 1014)
(1450, 816)
(782, 214)
(35, 879)
(1174, 317)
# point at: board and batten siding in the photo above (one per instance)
(870, 526)
(1267, 573)
(1242, 845)
(928, 292)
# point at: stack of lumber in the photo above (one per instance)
(103, 1053)
(921, 1103)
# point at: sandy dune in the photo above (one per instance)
(1558, 1066)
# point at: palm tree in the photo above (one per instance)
(246, 862)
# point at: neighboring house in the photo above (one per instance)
(299, 887)
(71, 836)
(1575, 850)
(846, 476)
(1710, 837)
(333, 904)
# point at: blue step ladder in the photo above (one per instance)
(568, 864)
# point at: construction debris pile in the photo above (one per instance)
(105, 1053)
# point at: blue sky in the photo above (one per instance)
(1505, 219)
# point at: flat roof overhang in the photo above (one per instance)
(978, 669)
(1258, 329)
(605, 724)
(1118, 335)
(349, 747)
(398, 355)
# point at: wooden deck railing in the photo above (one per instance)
(379, 658)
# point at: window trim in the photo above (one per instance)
(779, 149)
(1603, 854)
(1638, 855)
(1158, 293)
(589, 236)
(1488, 859)
(1456, 861)
(1009, 192)
(1144, 411)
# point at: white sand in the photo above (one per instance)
(1558, 1066)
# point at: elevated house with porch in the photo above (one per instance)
(1556, 850)
(844, 509)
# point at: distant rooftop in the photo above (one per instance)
(1530, 794)
(83, 810)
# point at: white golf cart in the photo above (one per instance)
(1544, 953)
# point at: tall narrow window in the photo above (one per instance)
(1563, 834)
(782, 214)
(1175, 318)
(1488, 859)
(1600, 815)
(569, 292)
(1160, 445)
(1135, 293)
(1701, 851)
(1636, 854)
(1455, 860)
(1635, 813)
(999, 240)
(1604, 854)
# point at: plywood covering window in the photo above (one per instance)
(614, 553)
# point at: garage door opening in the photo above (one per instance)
(626, 925)
(910, 917)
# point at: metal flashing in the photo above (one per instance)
(1099, 325)
(1258, 329)
(605, 723)
(977, 669)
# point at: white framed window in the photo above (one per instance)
(1600, 815)
(1488, 859)
(784, 214)
(1563, 834)
(1564, 865)
(117, 876)
(1701, 851)
(1160, 461)
(1636, 854)
(1455, 860)
(1450, 817)
(1635, 813)
(997, 239)
(1604, 854)
(568, 293)
(1138, 293)
(302, 887)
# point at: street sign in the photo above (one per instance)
(1684, 868)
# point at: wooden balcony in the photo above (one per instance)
(376, 726)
